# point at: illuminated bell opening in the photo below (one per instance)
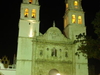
(75, 3)
(73, 18)
(79, 20)
(33, 13)
(79, 17)
(26, 13)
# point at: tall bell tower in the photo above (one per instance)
(74, 25)
(28, 28)
(29, 18)
(74, 19)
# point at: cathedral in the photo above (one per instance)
(51, 53)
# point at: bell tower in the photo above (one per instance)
(74, 25)
(73, 19)
(28, 29)
(29, 18)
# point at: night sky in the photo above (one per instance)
(50, 10)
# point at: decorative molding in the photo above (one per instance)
(50, 61)
(53, 34)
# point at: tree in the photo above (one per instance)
(88, 46)
(96, 24)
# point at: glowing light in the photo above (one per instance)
(26, 12)
(30, 1)
(67, 5)
(33, 13)
(73, 19)
(31, 34)
(58, 74)
(31, 21)
(79, 19)
(75, 3)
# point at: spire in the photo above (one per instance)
(53, 23)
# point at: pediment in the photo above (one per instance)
(53, 34)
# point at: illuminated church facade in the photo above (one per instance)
(51, 53)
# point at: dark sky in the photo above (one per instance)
(50, 10)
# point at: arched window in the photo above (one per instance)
(66, 54)
(73, 19)
(26, 12)
(79, 19)
(41, 52)
(47, 49)
(33, 13)
(54, 52)
(76, 4)
(30, 1)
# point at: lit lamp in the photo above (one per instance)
(58, 74)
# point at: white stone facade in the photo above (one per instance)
(52, 52)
